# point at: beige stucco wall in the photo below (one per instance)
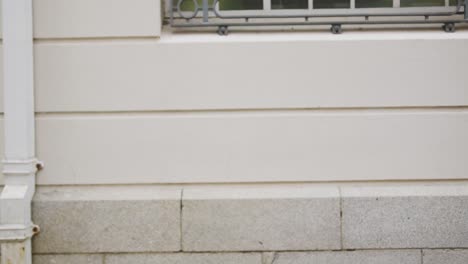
(119, 102)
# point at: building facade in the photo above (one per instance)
(158, 144)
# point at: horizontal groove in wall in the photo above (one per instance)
(261, 112)
(379, 183)
(250, 251)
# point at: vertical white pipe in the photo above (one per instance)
(19, 161)
(18, 79)
(17, 252)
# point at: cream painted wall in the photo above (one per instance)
(96, 18)
(251, 71)
(117, 104)
(303, 107)
(270, 146)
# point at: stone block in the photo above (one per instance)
(410, 216)
(445, 256)
(106, 219)
(349, 257)
(185, 258)
(264, 219)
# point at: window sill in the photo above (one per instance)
(317, 34)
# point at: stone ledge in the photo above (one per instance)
(246, 218)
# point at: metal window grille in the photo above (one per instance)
(208, 13)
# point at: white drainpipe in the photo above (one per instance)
(20, 164)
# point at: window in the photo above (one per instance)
(373, 3)
(291, 4)
(419, 3)
(324, 4)
(189, 5)
(224, 13)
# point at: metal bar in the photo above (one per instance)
(421, 14)
(391, 22)
(266, 4)
(171, 12)
(205, 11)
(455, 11)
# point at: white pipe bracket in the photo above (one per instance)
(17, 233)
(21, 167)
